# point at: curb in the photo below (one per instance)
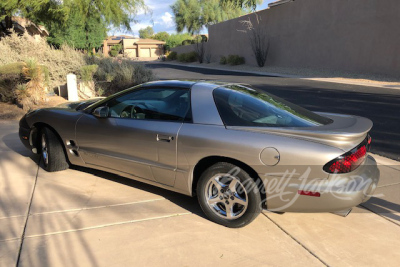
(272, 74)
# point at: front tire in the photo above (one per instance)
(228, 195)
(53, 156)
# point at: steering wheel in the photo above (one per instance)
(130, 111)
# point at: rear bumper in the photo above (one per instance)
(337, 193)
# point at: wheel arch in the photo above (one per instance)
(36, 127)
(207, 162)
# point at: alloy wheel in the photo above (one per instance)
(226, 196)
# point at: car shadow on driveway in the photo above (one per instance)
(186, 202)
(387, 209)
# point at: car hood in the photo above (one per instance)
(79, 105)
(345, 132)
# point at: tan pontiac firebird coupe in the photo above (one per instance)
(237, 149)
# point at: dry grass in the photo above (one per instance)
(59, 62)
(10, 112)
(28, 65)
(13, 112)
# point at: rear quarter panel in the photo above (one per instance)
(298, 157)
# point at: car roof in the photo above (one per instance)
(170, 83)
(185, 84)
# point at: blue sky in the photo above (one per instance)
(161, 17)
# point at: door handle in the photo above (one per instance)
(164, 138)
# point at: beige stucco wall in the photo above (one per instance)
(144, 52)
(360, 36)
(130, 52)
(129, 43)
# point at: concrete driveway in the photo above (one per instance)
(82, 217)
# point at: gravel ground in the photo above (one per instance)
(309, 73)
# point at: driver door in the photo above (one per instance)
(139, 136)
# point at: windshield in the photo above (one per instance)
(240, 105)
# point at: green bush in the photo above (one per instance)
(235, 60)
(182, 57)
(172, 56)
(188, 57)
(87, 72)
(191, 56)
(186, 42)
(115, 50)
(222, 60)
(175, 40)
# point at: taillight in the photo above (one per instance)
(349, 161)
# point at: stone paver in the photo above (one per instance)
(9, 252)
(187, 240)
(360, 239)
(18, 170)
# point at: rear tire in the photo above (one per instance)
(228, 195)
(53, 156)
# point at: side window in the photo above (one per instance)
(151, 104)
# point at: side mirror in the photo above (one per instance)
(101, 112)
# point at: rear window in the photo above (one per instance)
(243, 106)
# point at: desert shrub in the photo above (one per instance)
(23, 83)
(172, 55)
(35, 88)
(222, 60)
(114, 75)
(58, 62)
(235, 60)
(8, 83)
(208, 57)
(258, 38)
(87, 72)
(111, 75)
(23, 96)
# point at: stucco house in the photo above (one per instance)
(135, 47)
